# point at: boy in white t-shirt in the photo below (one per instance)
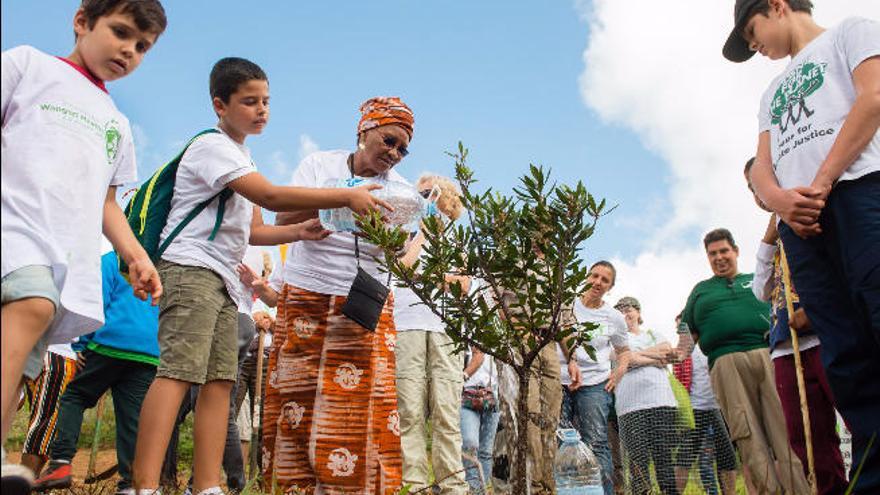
(65, 149)
(198, 317)
(818, 168)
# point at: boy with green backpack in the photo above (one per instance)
(213, 213)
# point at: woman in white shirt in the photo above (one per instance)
(330, 419)
(647, 410)
(587, 383)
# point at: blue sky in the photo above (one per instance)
(631, 97)
(500, 76)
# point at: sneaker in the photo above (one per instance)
(15, 480)
(214, 490)
(57, 475)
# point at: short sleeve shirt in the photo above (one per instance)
(210, 163)
(805, 106)
(702, 395)
(411, 314)
(329, 266)
(611, 333)
(64, 144)
(727, 316)
(645, 387)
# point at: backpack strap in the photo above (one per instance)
(223, 195)
(221, 209)
(193, 214)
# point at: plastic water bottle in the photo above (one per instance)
(576, 468)
(409, 206)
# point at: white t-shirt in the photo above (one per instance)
(329, 266)
(211, 162)
(64, 144)
(485, 375)
(276, 278)
(610, 332)
(702, 395)
(410, 314)
(64, 350)
(805, 106)
(644, 387)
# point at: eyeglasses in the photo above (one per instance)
(391, 142)
(425, 193)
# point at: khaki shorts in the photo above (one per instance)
(198, 326)
(25, 282)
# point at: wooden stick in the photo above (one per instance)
(93, 456)
(258, 399)
(799, 370)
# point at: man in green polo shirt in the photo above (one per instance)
(730, 325)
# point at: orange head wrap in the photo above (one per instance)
(384, 110)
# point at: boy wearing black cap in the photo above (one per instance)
(818, 168)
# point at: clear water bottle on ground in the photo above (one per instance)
(409, 206)
(576, 468)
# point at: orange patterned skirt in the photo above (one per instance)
(330, 423)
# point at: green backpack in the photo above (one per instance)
(147, 211)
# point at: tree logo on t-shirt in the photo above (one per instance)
(112, 137)
(789, 104)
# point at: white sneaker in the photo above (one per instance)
(15, 479)
(214, 490)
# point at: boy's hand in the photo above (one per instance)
(799, 321)
(822, 187)
(250, 278)
(361, 201)
(310, 230)
(145, 279)
(799, 208)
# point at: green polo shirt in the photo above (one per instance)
(727, 316)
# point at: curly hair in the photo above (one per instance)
(450, 196)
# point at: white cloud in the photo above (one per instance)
(278, 163)
(278, 159)
(656, 68)
(307, 146)
(139, 136)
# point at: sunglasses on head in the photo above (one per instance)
(391, 142)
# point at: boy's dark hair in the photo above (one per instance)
(231, 72)
(148, 15)
(608, 265)
(763, 8)
(719, 235)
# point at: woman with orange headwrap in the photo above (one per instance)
(331, 422)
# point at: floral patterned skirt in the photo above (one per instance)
(330, 423)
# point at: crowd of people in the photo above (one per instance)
(331, 388)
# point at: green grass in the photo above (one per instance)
(106, 437)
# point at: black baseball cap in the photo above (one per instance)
(736, 49)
